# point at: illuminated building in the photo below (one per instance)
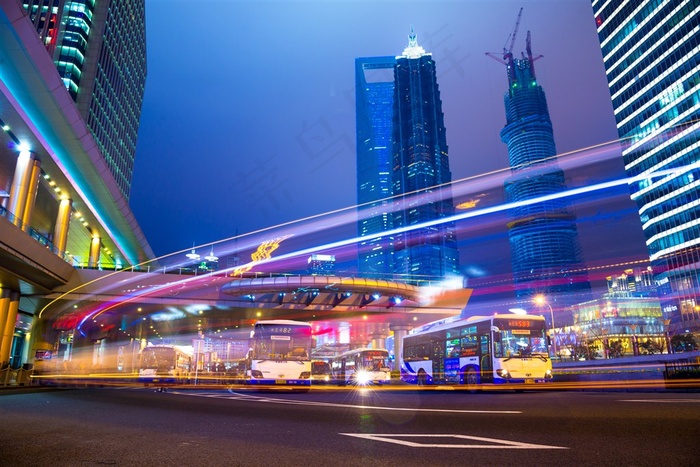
(633, 281)
(421, 173)
(323, 265)
(627, 319)
(546, 252)
(99, 49)
(63, 217)
(374, 96)
(650, 50)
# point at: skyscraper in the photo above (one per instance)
(650, 51)
(374, 95)
(546, 253)
(421, 173)
(99, 48)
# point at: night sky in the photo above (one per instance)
(249, 115)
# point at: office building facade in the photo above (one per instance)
(374, 96)
(426, 248)
(546, 252)
(650, 50)
(99, 48)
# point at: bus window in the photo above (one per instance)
(452, 348)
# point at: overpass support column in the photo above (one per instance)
(94, 259)
(377, 340)
(21, 184)
(400, 330)
(8, 330)
(4, 311)
(31, 194)
(60, 234)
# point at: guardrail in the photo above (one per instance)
(15, 377)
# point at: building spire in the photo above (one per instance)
(413, 50)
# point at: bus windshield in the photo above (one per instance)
(158, 358)
(519, 338)
(375, 360)
(282, 342)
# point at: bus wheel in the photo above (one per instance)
(422, 378)
(471, 380)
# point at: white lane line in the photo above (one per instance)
(495, 443)
(664, 401)
(271, 400)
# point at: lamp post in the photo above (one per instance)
(194, 257)
(541, 300)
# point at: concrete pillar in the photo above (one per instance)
(4, 310)
(60, 234)
(31, 194)
(94, 258)
(8, 331)
(400, 330)
(20, 186)
(39, 336)
(377, 340)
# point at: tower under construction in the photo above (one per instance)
(546, 253)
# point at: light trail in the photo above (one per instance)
(354, 240)
(350, 215)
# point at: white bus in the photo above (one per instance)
(279, 354)
(321, 372)
(165, 364)
(504, 348)
(362, 366)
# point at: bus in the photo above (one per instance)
(321, 372)
(160, 364)
(503, 348)
(362, 366)
(279, 354)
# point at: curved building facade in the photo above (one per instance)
(650, 50)
(546, 252)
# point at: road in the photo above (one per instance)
(347, 427)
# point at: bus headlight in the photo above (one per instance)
(362, 377)
(305, 375)
(256, 373)
(503, 373)
(548, 374)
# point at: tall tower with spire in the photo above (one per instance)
(546, 252)
(421, 174)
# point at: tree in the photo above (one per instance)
(651, 347)
(616, 349)
(683, 343)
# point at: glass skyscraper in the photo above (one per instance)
(651, 52)
(99, 48)
(374, 95)
(546, 252)
(421, 175)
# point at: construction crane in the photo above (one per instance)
(530, 58)
(508, 52)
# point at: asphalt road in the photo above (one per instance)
(347, 427)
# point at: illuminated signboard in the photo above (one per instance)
(514, 323)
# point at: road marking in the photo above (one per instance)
(496, 443)
(272, 400)
(664, 401)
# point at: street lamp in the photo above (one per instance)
(541, 300)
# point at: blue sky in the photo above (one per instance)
(248, 119)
